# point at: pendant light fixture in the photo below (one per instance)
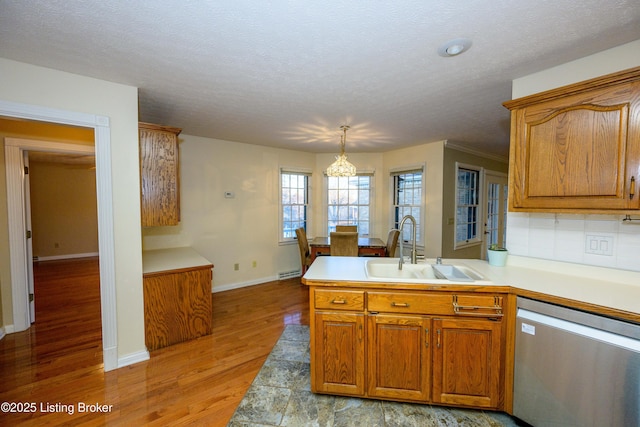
(342, 167)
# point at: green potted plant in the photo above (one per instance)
(497, 255)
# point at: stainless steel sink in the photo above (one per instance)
(387, 268)
(455, 272)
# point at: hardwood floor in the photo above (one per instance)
(57, 363)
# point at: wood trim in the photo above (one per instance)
(155, 127)
(625, 76)
(177, 270)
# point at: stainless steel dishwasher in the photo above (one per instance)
(574, 368)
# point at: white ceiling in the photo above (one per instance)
(289, 73)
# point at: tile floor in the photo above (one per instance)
(281, 396)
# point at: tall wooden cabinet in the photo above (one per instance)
(159, 175)
(428, 347)
(577, 148)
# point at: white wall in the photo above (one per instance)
(28, 84)
(245, 228)
(432, 157)
(238, 230)
(562, 237)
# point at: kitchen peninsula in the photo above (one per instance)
(439, 341)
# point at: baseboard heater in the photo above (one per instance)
(289, 274)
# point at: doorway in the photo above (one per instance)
(61, 211)
(16, 222)
(495, 210)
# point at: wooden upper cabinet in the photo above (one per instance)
(577, 148)
(159, 175)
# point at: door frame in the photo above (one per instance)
(503, 180)
(16, 219)
(43, 146)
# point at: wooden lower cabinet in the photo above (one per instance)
(399, 357)
(467, 362)
(372, 344)
(177, 306)
(338, 364)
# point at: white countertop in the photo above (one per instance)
(172, 259)
(606, 287)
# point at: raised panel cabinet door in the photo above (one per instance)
(577, 151)
(399, 357)
(159, 175)
(467, 362)
(338, 362)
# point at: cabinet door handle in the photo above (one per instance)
(360, 332)
(338, 301)
(438, 341)
(426, 337)
(632, 188)
(399, 304)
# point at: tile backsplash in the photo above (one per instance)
(566, 237)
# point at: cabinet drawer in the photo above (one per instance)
(478, 305)
(336, 299)
(397, 302)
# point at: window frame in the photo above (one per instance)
(307, 206)
(479, 216)
(371, 204)
(395, 206)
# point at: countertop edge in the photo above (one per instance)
(158, 261)
(594, 294)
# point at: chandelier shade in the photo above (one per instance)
(342, 166)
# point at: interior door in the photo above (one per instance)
(27, 222)
(495, 224)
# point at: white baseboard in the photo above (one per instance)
(9, 329)
(239, 285)
(2, 332)
(133, 358)
(68, 256)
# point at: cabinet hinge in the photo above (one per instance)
(30, 297)
(28, 234)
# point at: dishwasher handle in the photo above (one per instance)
(574, 328)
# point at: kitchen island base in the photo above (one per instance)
(409, 345)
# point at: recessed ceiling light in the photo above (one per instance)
(454, 47)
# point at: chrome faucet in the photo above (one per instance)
(414, 257)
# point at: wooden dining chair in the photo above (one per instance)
(303, 245)
(344, 243)
(392, 242)
(351, 228)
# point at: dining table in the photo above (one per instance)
(367, 246)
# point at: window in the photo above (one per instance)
(294, 202)
(467, 205)
(349, 202)
(407, 200)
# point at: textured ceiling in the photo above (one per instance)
(289, 73)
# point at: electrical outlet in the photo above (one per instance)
(236, 266)
(599, 244)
